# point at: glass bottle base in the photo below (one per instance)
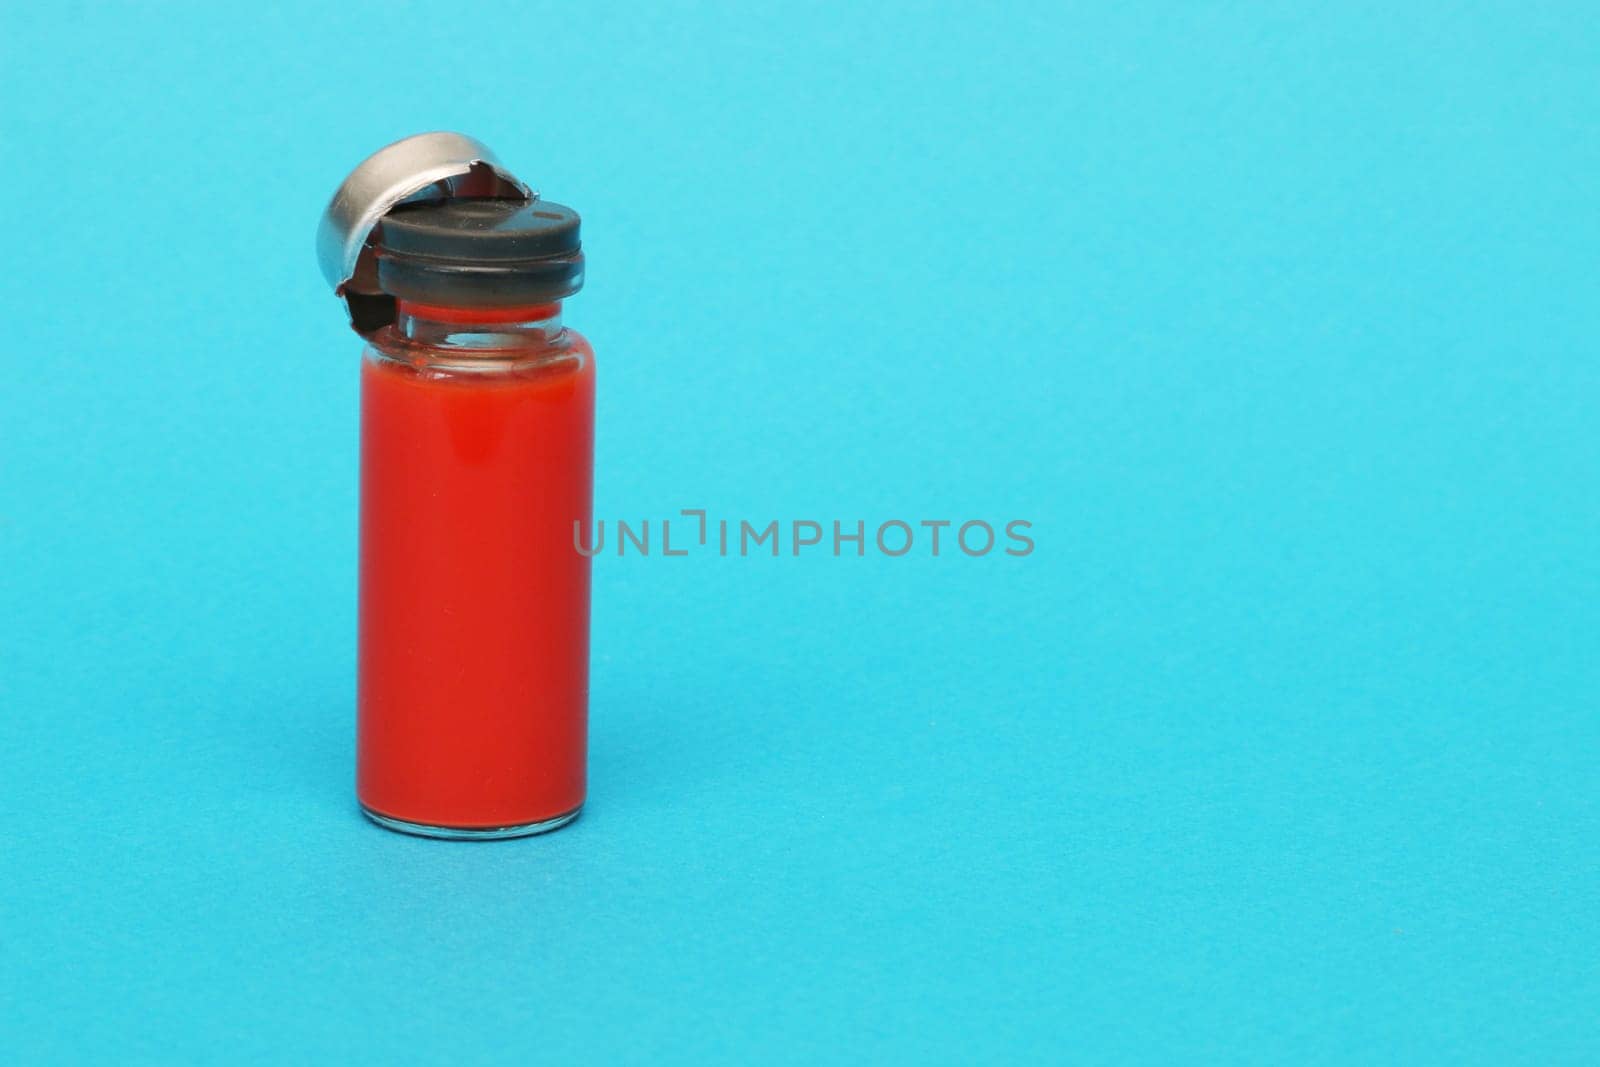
(463, 833)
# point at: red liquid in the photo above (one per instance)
(474, 628)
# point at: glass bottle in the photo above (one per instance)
(477, 445)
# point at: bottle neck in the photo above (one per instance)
(526, 326)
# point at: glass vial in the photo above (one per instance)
(477, 446)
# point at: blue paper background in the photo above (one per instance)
(1278, 321)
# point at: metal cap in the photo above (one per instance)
(423, 167)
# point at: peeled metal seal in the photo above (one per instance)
(424, 166)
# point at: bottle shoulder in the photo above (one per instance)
(579, 342)
(479, 356)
